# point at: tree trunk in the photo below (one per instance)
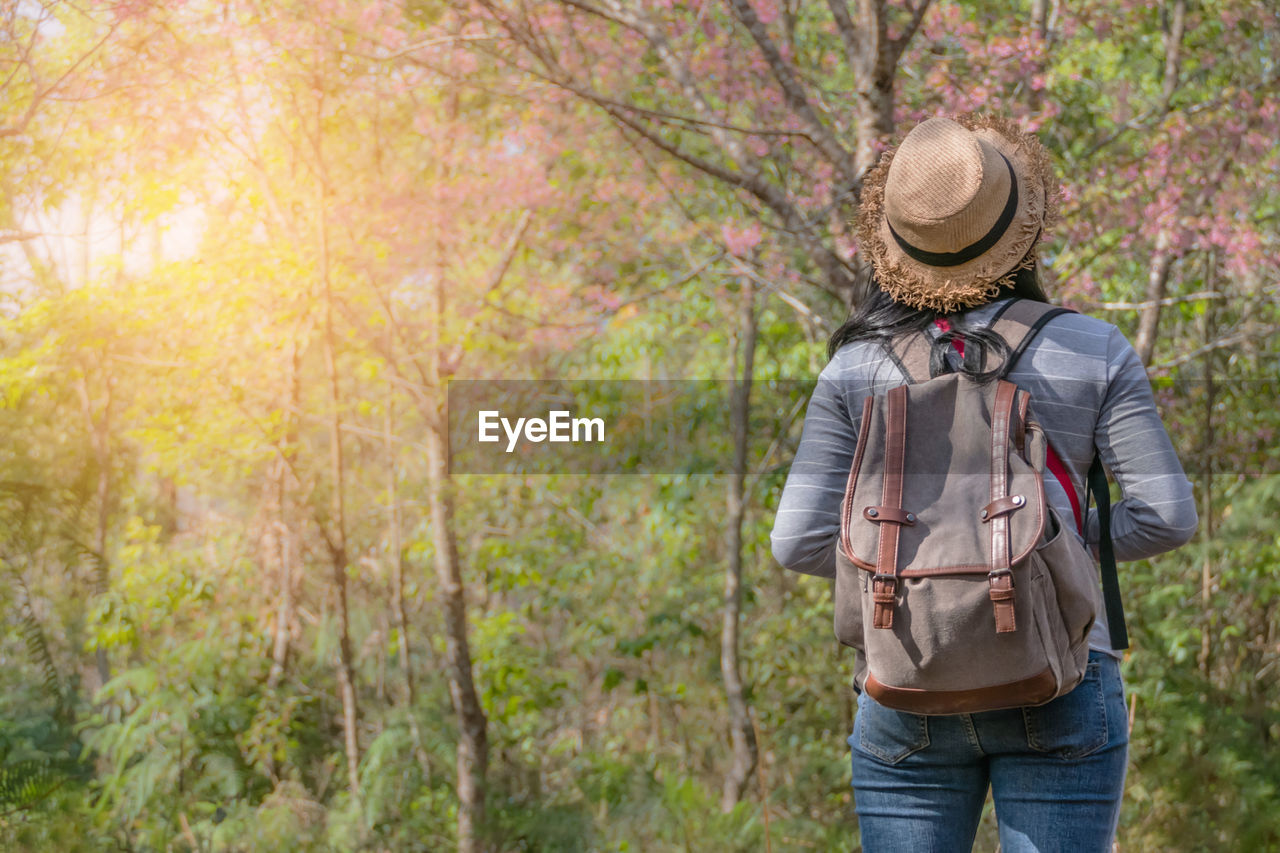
(741, 731)
(873, 57)
(337, 532)
(1162, 258)
(473, 734)
(338, 557)
(396, 547)
(1040, 10)
(282, 531)
(1174, 20)
(1157, 285)
(873, 121)
(1207, 454)
(102, 567)
(1040, 18)
(473, 738)
(284, 603)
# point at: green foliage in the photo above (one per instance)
(1207, 688)
(168, 527)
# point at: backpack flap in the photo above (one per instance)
(935, 489)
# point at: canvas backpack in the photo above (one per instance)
(957, 584)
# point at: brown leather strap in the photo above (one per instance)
(1001, 579)
(895, 454)
(1036, 690)
(1002, 506)
(884, 595)
(1000, 588)
(1020, 422)
(891, 514)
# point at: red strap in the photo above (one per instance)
(1053, 462)
(1060, 471)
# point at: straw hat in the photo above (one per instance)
(949, 217)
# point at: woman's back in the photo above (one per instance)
(1087, 388)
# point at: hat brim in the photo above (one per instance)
(948, 289)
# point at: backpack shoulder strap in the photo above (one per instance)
(910, 354)
(1018, 322)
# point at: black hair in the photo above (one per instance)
(878, 317)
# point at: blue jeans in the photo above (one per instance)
(1056, 772)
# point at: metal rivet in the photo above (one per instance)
(911, 517)
(871, 512)
(984, 513)
(1018, 500)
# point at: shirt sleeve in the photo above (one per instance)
(1157, 512)
(807, 525)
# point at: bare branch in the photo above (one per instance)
(499, 271)
(848, 31)
(735, 164)
(899, 45)
(1221, 343)
(820, 252)
(1168, 300)
(42, 93)
(509, 252)
(664, 116)
(787, 78)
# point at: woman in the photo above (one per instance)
(949, 222)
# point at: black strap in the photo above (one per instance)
(918, 350)
(1110, 577)
(1008, 303)
(915, 353)
(1022, 345)
(897, 362)
(911, 354)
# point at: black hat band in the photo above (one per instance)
(973, 250)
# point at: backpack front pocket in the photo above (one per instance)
(1074, 576)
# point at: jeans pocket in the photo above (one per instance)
(887, 734)
(1074, 725)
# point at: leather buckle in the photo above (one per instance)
(884, 594)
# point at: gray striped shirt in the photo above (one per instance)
(1088, 388)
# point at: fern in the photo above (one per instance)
(51, 755)
(38, 649)
(27, 782)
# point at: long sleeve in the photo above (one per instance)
(1158, 511)
(807, 524)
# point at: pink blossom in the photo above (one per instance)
(739, 241)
